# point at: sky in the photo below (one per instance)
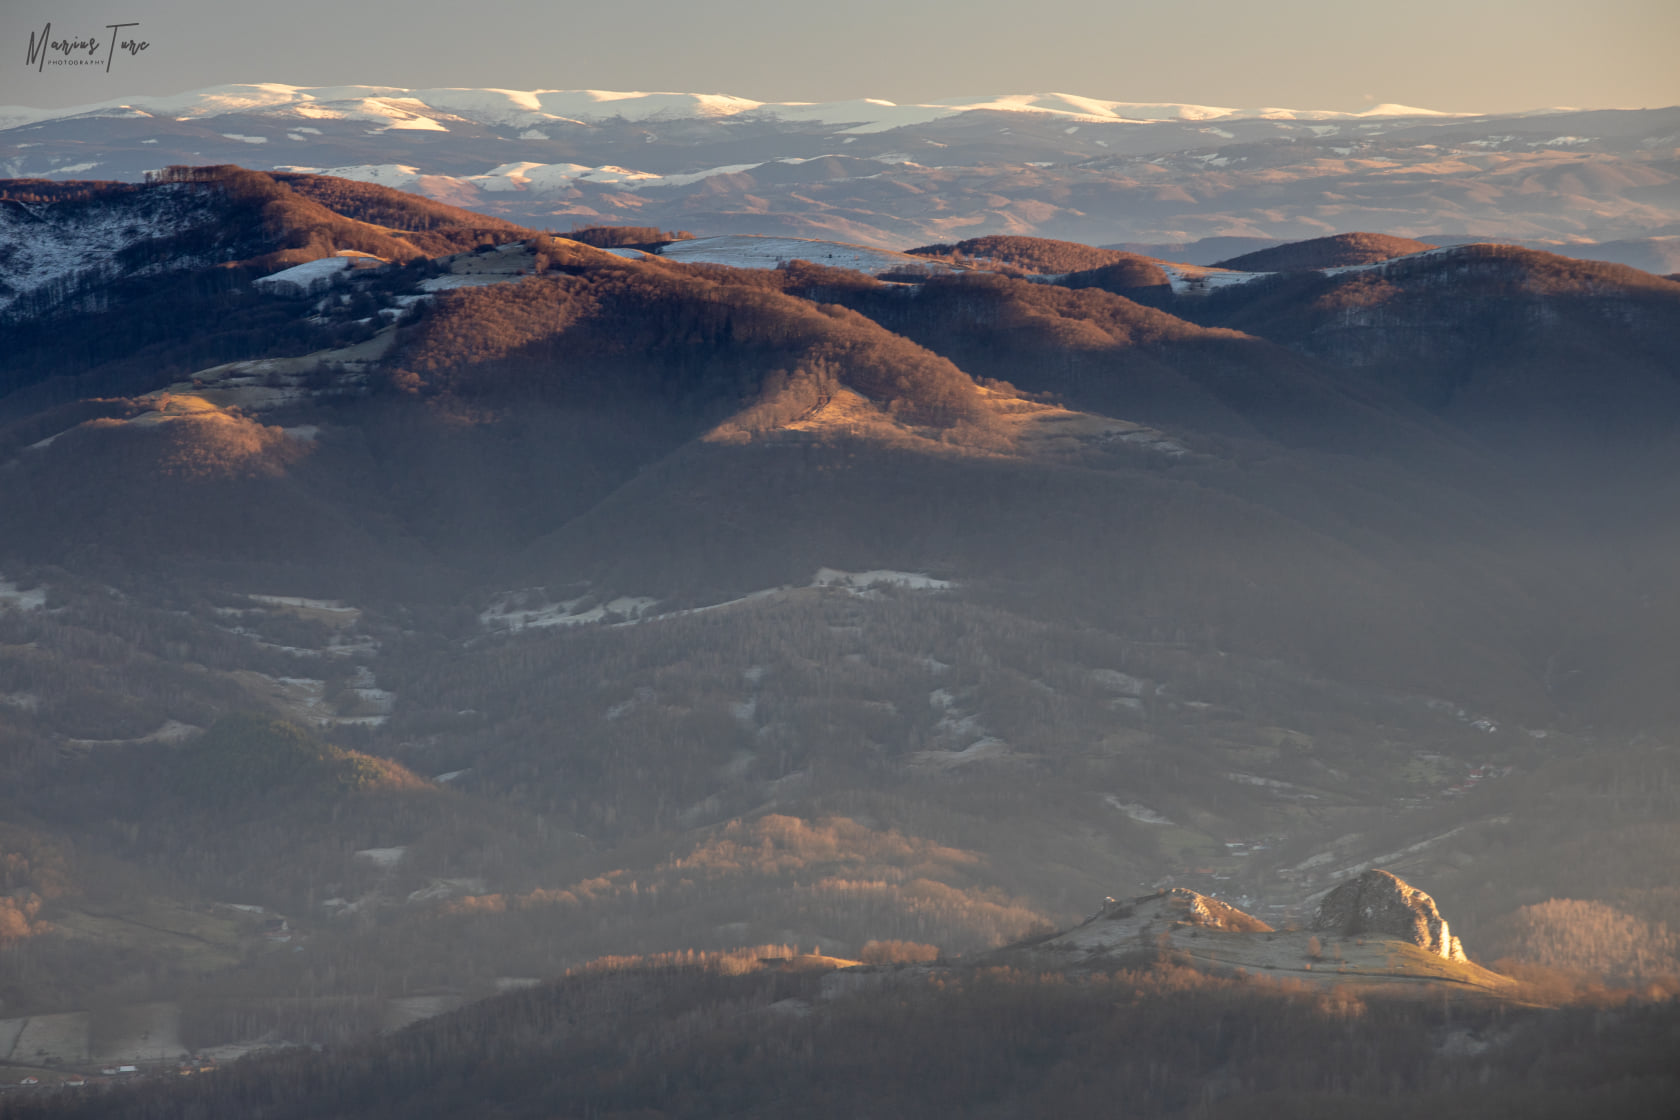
(1453, 55)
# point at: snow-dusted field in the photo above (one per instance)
(532, 608)
(1139, 812)
(1190, 279)
(528, 611)
(983, 750)
(879, 577)
(397, 176)
(64, 1037)
(383, 857)
(331, 611)
(306, 278)
(305, 699)
(450, 280)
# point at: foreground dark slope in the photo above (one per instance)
(1185, 587)
(1168, 1042)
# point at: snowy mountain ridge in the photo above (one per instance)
(868, 171)
(408, 108)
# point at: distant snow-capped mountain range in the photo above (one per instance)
(878, 173)
(429, 109)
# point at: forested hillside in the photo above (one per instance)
(399, 607)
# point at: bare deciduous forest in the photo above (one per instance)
(485, 604)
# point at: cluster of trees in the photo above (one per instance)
(42, 191)
(1581, 936)
(709, 1040)
(33, 870)
(401, 210)
(244, 756)
(309, 216)
(649, 238)
(1028, 254)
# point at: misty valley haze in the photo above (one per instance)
(578, 604)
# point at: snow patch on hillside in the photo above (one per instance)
(305, 278)
(397, 176)
(532, 610)
(879, 577)
(305, 699)
(330, 606)
(416, 124)
(1189, 279)
(48, 248)
(462, 280)
(1138, 811)
(1378, 266)
(982, 750)
(535, 608)
(12, 596)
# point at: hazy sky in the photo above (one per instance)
(1468, 55)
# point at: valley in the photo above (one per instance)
(415, 606)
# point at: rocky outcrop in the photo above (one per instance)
(1382, 905)
(1122, 926)
(1182, 904)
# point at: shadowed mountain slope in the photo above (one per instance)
(738, 1035)
(1336, 251)
(1497, 339)
(165, 267)
(1102, 352)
